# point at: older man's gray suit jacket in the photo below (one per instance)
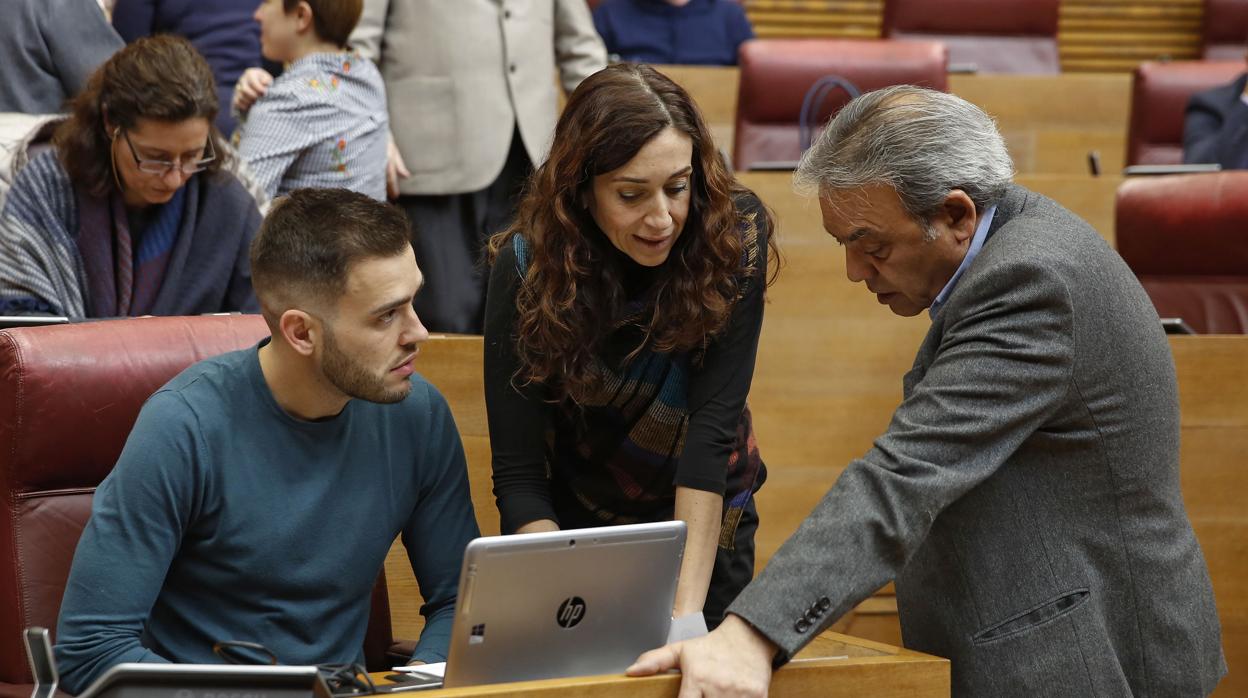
(1026, 494)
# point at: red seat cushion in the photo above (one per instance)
(776, 74)
(69, 395)
(1225, 30)
(1184, 237)
(995, 37)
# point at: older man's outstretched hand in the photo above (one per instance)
(734, 661)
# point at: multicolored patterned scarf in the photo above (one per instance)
(125, 268)
(616, 454)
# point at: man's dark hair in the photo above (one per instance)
(307, 244)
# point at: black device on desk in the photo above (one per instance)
(177, 680)
(1137, 170)
(1176, 325)
(773, 166)
(204, 680)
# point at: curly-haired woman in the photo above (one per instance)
(622, 322)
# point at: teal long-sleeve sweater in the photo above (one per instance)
(228, 519)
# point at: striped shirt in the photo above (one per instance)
(322, 123)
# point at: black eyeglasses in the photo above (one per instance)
(164, 167)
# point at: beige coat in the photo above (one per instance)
(460, 73)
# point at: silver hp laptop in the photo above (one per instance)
(569, 603)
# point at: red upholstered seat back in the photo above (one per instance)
(69, 395)
(776, 74)
(1225, 30)
(1185, 237)
(1159, 96)
(1019, 36)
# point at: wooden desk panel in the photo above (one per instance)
(1051, 122)
(868, 668)
(1213, 397)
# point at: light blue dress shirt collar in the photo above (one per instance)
(981, 233)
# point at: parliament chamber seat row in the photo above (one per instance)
(778, 90)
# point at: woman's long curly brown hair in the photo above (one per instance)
(571, 300)
(162, 78)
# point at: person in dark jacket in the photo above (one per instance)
(674, 32)
(1215, 128)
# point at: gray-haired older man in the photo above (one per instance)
(1025, 497)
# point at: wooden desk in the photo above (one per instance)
(869, 669)
(1049, 122)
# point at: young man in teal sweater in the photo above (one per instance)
(259, 492)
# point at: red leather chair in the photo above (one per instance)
(1159, 96)
(776, 74)
(1186, 239)
(1019, 36)
(69, 395)
(1225, 35)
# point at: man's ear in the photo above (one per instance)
(300, 330)
(959, 215)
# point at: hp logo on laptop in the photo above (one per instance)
(571, 611)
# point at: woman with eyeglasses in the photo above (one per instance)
(133, 211)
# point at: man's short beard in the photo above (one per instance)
(354, 380)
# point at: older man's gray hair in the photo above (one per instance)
(921, 142)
